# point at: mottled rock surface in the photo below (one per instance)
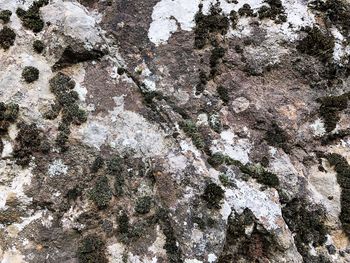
(174, 131)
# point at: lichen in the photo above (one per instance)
(30, 74)
(7, 37)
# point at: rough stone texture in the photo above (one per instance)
(208, 134)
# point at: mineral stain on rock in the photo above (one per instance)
(174, 131)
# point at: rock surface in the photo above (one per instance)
(174, 131)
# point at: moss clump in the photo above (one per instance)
(192, 131)
(215, 122)
(317, 44)
(114, 165)
(241, 245)
(97, 164)
(66, 102)
(213, 195)
(29, 141)
(246, 10)
(343, 177)
(30, 74)
(274, 11)
(337, 11)
(7, 37)
(307, 222)
(234, 19)
(123, 223)
(223, 94)
(38, 46)
(213, 23)
(101, 193)
(5, 15)
(277, 137)
(31, 18)
(143, 205)
(8, 114)
(9, 216)
(173, 251)
(330, 108)
(216, 55)
(92, 250)
(202, 82)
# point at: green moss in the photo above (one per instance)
(123, 223)
(213, 23)
(143, 205)
(97, 164)
(317, 43)
(202, 82)
(307, 223)
(29, 140)
(101, 193)
(9, 216)
(8, 114)
(171, 246)
(92, 250)
(274, 10)
(223, 94)
(192, 131)
(31, 18)
(342, 168)
(114, 165)
(67, 99)
(213, 195)
(246, 10)
(234, 19)
(38, 46)
(330, 108)
(216, 159)
(7, 37)
(277, 137)
(337, 11)
(30, 74)
(5, 15)
(216, 55)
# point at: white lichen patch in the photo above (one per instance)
(115, 253)
(57, 167)
(168, 15)
(326, 190)
(12, 255)
(240, 104)
(234, 147)
(262, 204)
(12, 183)
(125, 131)
(69, 218)
(157, 248)
(74, 20)
(318, 127)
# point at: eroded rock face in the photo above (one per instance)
(174, 131)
